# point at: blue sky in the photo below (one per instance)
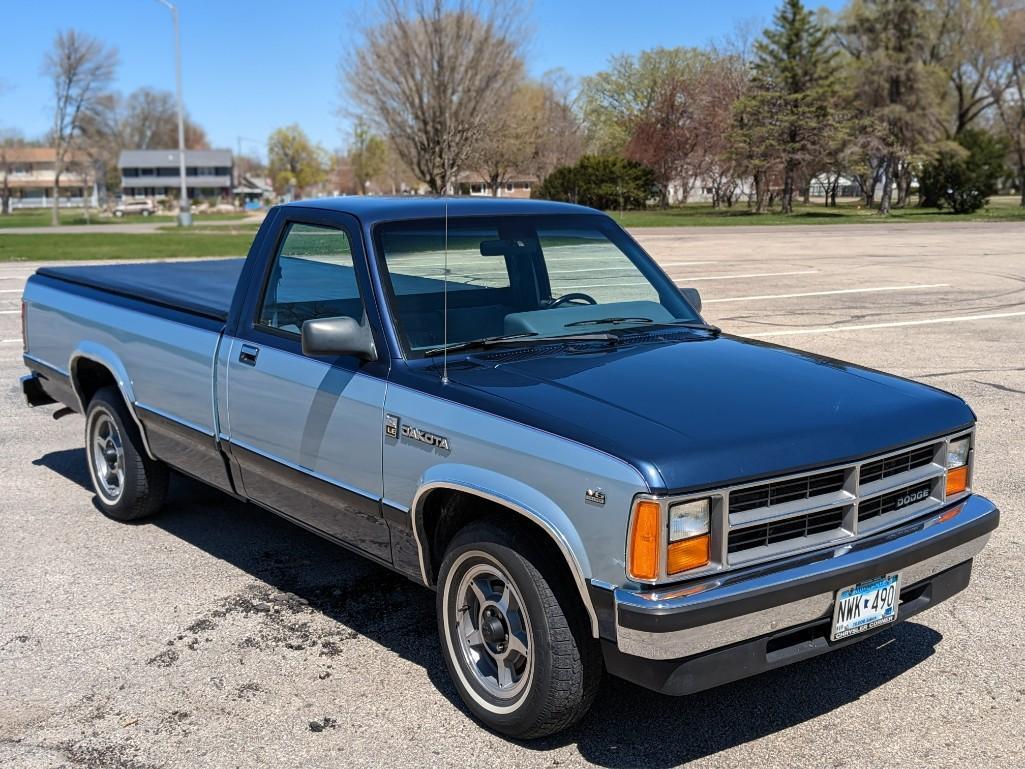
(250, 67)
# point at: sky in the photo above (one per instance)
(252, 66)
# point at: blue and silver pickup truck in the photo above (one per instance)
(510, 403)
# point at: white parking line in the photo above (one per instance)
(745, 275)
(8, 341)
(826, 293)
(9, 312)
(894, 324)
(10, 290)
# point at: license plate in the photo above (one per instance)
(867, 605)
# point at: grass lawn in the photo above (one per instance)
(1000, 209)
(40, 217)
(89, 245)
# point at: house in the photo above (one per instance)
(29, 172)
(252, 191)
(516, 185)
(155, 174)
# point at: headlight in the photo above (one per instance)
(957, 465)
(957, 452)
(689, 540)
(688, 519)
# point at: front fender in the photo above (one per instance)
(518, 497)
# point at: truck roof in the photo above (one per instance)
(378, 209)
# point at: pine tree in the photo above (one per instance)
(795, 82)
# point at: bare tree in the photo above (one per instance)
(558, 135)
(508, 144)
(431, 75)
(149, 121)
(81, 69)
(10, 144)
(1009, 81)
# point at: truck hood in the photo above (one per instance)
(710, 411)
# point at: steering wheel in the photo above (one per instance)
(574, 298)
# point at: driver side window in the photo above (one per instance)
(312, 277)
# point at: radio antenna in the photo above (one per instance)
(444, 348)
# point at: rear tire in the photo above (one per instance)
(517, 642)
(128, 484)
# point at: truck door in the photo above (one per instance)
(307, 431)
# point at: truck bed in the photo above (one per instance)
(201, 287)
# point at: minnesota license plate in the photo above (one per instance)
(867, 605)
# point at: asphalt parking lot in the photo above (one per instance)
(217, 635)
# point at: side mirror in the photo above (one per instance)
(693, 297)
(338, 336)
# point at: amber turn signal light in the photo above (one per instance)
(957, 480)
(642, 552)
(688, 554)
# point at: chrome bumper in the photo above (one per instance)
(733, 607)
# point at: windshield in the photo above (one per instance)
(532, 277)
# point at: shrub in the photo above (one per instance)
(964, 174)
(601, 181)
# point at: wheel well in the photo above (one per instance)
(89, 377)
(446, 511)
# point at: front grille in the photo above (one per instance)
(786, 515)
(894, 500)
(789, 528)
(790, 490)
(899, 463)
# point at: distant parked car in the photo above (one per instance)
(126, 207)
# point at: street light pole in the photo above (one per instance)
(184, 214)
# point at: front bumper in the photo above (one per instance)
(678, 626)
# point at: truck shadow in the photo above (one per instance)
(627, 727)
(630, 726)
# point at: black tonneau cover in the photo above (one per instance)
(201, 287)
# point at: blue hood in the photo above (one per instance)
(707, 412)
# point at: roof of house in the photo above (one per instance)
(371, 209)
(478, 177)
(33, 154)
(169, 158)
(29, 154)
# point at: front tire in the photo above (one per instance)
(516, 642)
(128, 484)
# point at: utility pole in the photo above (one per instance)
(184, 213)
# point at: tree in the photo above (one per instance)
(10, 143)
(558, 136)
(898, 84)
(632, 87)
(795, 77)
(964, 41)
(368, 155)
(510, 142)
(294, 161)
(665, 138)
(149, 121)
(965, 173)
(80, 69)
(723, 81)
(433, 75)
(600, 181)
(1009, 81)
(754, 140)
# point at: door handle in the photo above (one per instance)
(248, 354)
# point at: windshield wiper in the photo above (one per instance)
(486, 341)
(531, 336)
(609, 321)
(714, 330)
